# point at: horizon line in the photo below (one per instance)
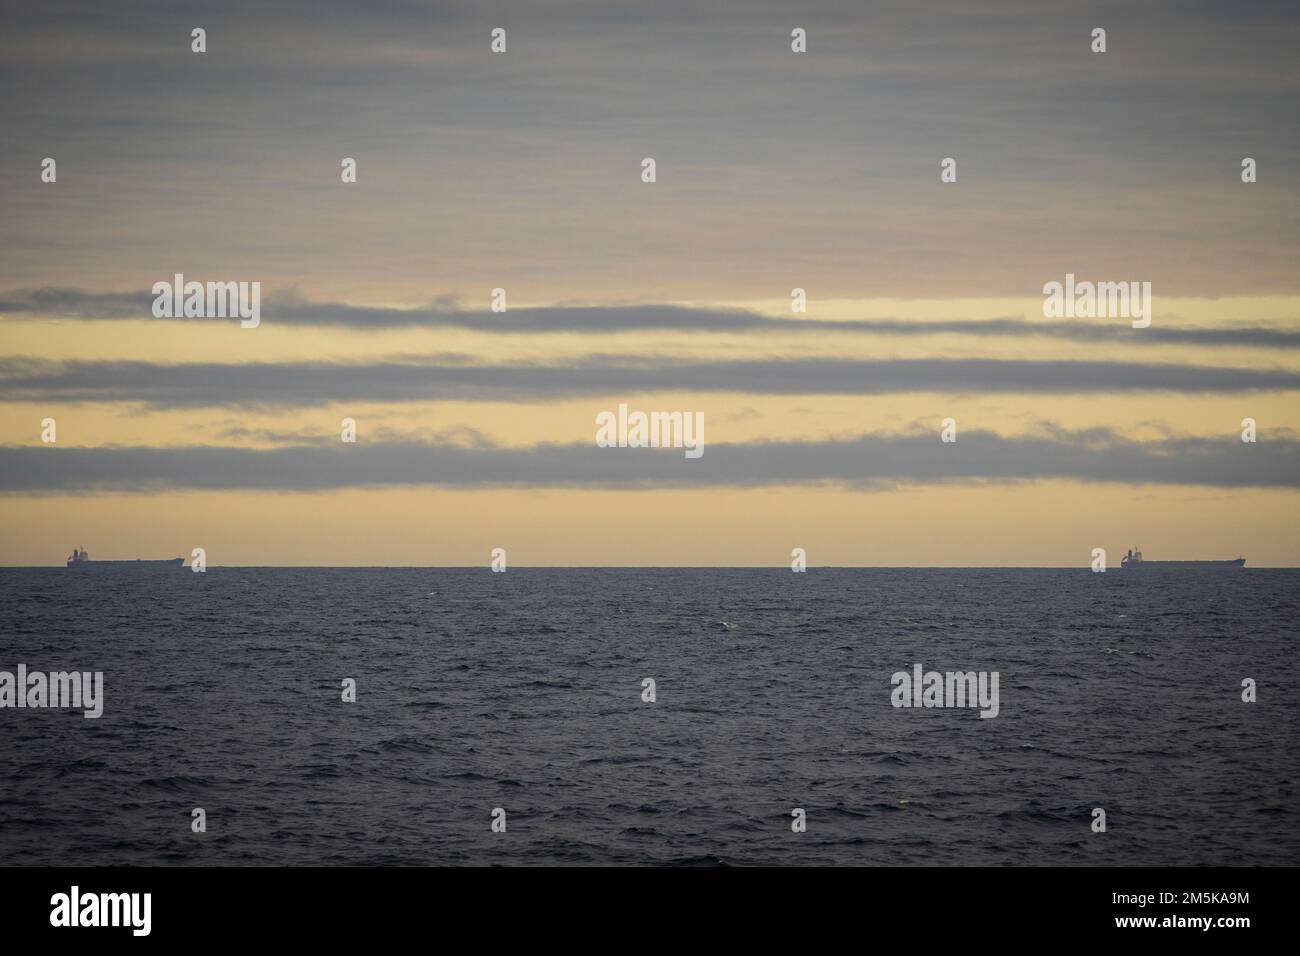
(647, 567)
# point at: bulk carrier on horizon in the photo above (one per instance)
(1135, 560)
(81, 559)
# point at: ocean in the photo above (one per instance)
(524, 691)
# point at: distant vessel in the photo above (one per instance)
(81, 559)
(1134, 560)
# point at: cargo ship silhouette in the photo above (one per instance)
(1135, 560)
(81, 559)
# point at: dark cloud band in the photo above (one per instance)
(868, 462)
(450, 377)
(89, 306)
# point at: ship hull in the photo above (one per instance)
(1180, 565)
(91, 565)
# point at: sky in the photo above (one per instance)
(774, 170)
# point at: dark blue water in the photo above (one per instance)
(523, 691)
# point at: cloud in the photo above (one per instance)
(452, 377)
(290, 309)
(59, 303)
(824, 164)
(867, 462)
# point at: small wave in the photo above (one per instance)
(175, 784)
(708, 859)
(405, 745)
